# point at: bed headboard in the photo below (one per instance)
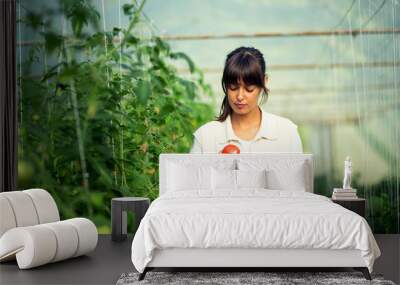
(212, 159)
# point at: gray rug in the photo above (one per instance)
(229, 278)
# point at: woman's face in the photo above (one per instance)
(243, 98)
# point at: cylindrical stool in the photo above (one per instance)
(119, 206)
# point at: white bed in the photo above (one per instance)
(201, 223)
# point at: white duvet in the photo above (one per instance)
(252, 218)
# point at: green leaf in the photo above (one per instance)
(68, 73)
(128, 9)
(143, 91)
(167, 108)
(52, 71)
(95, 40)
(132, 40)
(162, 45)
(80, 13)
(116, 31)
(189, 86)
(53, 41)
(33, 20)
(184, 56)
(135, 72)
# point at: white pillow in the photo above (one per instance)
(183, 178)
(223, 179)
(282, 174)
(290, 179)
(251, 178)
(228, 179)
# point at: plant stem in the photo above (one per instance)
(81, 146)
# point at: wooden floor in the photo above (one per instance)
(111, 259)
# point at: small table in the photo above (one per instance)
(119, 206)
(355, 205)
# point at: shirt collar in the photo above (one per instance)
(267, 128)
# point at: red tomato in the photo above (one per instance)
(231, 148)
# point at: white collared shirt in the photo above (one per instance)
(276, 134)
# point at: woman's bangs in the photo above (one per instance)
(245, 70)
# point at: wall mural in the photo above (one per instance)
(104, 88)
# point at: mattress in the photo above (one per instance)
(251, 219)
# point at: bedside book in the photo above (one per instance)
(335, 197)
(344, 194)
(341, 190)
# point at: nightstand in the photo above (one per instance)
(356, 205)
(119, 207)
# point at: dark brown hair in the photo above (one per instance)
(246, 64)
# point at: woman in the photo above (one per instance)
(242, 122)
